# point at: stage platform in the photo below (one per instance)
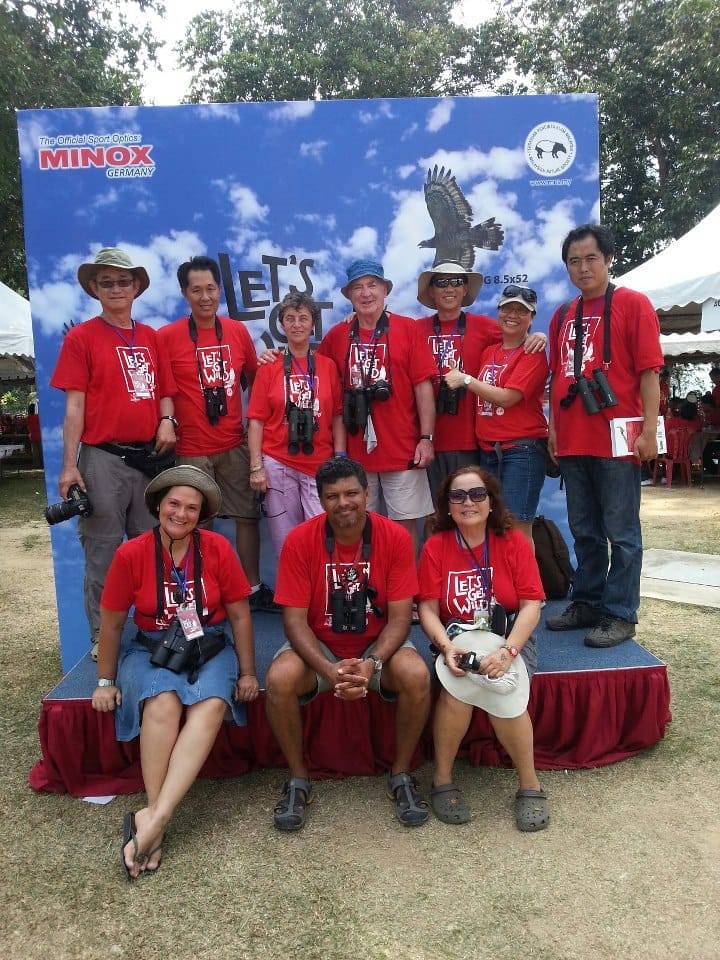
(588, 707)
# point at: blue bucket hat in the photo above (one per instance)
(364, 268)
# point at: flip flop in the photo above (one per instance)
(159, 863)
(128, 835)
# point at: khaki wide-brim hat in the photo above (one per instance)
(474, 283)
(505, 697)
(185, 476)
(111, 257)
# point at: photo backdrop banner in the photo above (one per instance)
(286, 195)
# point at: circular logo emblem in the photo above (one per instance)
(550, 149)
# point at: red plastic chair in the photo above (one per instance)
(678, 444)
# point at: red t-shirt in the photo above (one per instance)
(122, 375)
(450, 575)
(195, 367)
(457, 432)
(131, 579)
(307, 573)
(516, 370)
(634, 348)
(401, 355)
(268, 403)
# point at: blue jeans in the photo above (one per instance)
(603, 505)
(521, 473)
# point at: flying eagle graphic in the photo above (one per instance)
(455, 239)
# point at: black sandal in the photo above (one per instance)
(410, 808)
(290, 809)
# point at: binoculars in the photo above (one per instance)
(447, 399)
(215, 403)
(175, 651)
(301, 427)
(596, 393)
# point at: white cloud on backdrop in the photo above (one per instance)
(439, 116)
(291, 111)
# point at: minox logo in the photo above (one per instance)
(121, 155)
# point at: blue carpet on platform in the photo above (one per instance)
(557, 653)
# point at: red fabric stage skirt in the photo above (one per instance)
(580, 720)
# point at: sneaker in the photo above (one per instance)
(574, 617)
(262, 600)
(609, 632)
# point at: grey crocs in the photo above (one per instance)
(531, 810)
(290, 809)
(448, 804)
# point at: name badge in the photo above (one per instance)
(189, 621)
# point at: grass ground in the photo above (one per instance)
(629, 868)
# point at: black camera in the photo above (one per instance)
(301, 427)
(596, 393)
(381, 390)
(348, 611)
(77, 505)
(470, 662)
(447, 399)
(174, 651)
(215, 403)
(355, 410)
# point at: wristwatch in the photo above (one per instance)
(378, 664)
(427, 436)
(172, 420)
(513, 651)
(102, 682)
(467, 379)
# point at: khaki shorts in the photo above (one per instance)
(231, 472)
(406, 494)
(321, 683)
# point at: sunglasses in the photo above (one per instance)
(443, 282)
(476, 494)
(513, 290)
(109, 284)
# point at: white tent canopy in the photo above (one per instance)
(691, 347)
(686, 272)
(16, 341)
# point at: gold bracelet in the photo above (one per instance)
(257, 469)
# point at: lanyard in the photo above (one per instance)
(382, 327)
(507, 360)
(483, 571)
(445, 341)
(160, 575)
(290, 362)
(128, 343)
(192, 330)
(179, 577)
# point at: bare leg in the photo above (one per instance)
(287, 679)
(450, 724)
(525, 527)
(411, 527)
(406, 675)
(190, 750)
(516, 736)
(247, 542)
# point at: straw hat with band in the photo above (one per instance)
(364, 268)
(506, 697)
(449, 268)
(184, 476)
(111, 257)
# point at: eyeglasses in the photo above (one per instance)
(476, 494)
(109, 284)
(513, 290)
(443, 282)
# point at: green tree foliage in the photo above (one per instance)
(307, 49)
(656, 67)
(61, 54)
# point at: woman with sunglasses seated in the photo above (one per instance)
(510, 425)
(294, 421)
(174, 678)
(474, 561)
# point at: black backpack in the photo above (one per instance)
(553, 558)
